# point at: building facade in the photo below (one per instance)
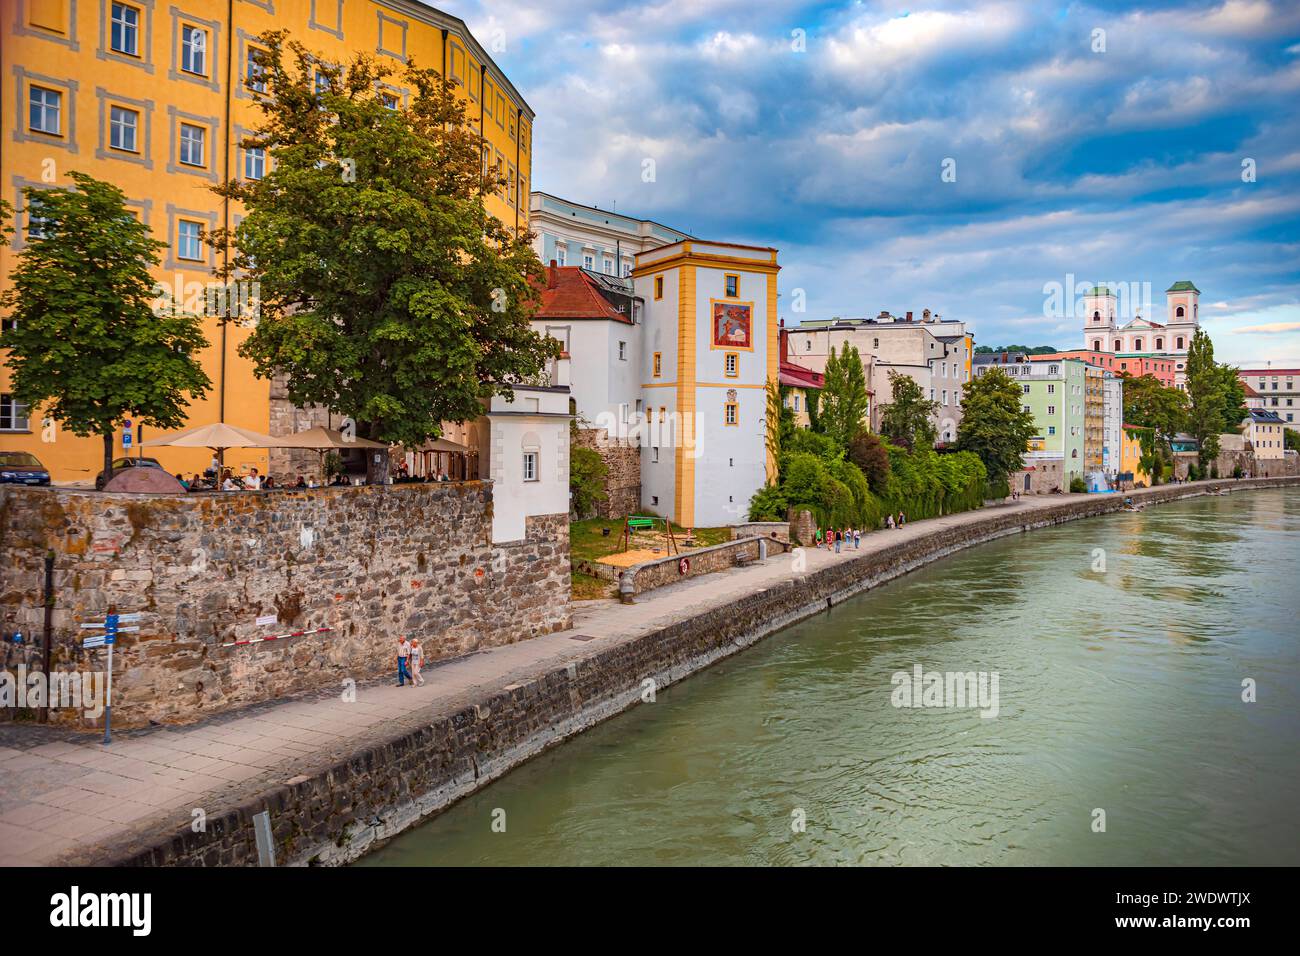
(1265, 431)
(157, 99)
(1138, 338)
(709, 347)
(1055, 393)
(937, 353)
(571, 234)
(1277, 391)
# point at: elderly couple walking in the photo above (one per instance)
(410, 657)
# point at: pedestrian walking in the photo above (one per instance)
(902, 519)
(889, 521)
(819, 537)
(417, 661)
(839, 536)
(857, 538)
(403, 654)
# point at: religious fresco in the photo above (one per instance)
(733, 325)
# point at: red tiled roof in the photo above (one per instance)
(572, 294)
(797, 376)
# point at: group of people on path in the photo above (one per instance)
(410, 658)
(835, 539)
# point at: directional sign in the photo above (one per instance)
(97, 641)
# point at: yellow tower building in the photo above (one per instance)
(153, 97)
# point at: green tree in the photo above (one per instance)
(1207, 397)
(870, 454)
(86, 341)
(906, 421)
(1149, 404)
(994, 424)
(388, 292)
(1234, 399)
(587, 473)
(844, 395)
(1290, 438)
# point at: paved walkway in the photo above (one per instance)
(62, 794)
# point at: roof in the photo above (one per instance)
(1267, 372)
(1182, 285)
(1248, 391)
(799, 377)
(572, 293)
(609, 213)
(1264, 417)
(1099, 290)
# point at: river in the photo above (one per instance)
(1120, 646)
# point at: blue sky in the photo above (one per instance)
(1117, 164)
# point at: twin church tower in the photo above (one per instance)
(1139, 337)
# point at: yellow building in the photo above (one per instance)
(152, 97)
(1130, 455)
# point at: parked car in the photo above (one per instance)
(121, 464)
(22, 468)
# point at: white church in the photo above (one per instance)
(1105, 331)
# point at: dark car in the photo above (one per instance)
(22, 468)
(121, 464)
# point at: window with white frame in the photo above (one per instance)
(192, 151)
(124, 29)
(123, 125)
(530, 466)
(560, 255)
(45, 107)
(194, 50)
(588, 261)
(255, 72)
(189, 240)
(13, 414)
(622, 351)
(254, 162)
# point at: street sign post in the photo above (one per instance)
(111, 627)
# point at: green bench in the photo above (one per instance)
(638, 522)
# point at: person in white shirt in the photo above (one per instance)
(415, 661)
(403, 654)
(253, 481)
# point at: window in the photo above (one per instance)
(530, 466)
(733, 286)
(559, 255)
(322, 83)
(731, 411)
(192, 145)
(608, 266)
(1051, 429)
(1160, 345)
(1118, 347)
(189, 242)
(389, 101)
(588, 261)
(658, 364)
(1137, 345)
(44, 109)
(38, 227)
(654, 454)
(1179, 341)
(255, 72)
(124, 30)
(1053, 369)
(13, 415)
(1180, 312)
(194, 46)
(254, 162)
(659, 287)
(1051, 409)
(945, 396)
(663, 414)
(732, 364)
(627, 268)
(122, 126)
(622, 351)
(1051, 388)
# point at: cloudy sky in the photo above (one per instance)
(1086, 142)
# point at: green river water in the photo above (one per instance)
(1118, 690)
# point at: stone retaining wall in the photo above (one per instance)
(337, 813)
(623, 480)
(368, 563)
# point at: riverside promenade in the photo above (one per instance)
(65, 798)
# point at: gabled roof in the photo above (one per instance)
(1182, 285)
(570, 293)
(1264, 417)
(799, 377)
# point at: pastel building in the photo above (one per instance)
(709, 347)
(598, 240)
(1265, 431)
(1277, 391)
(1055, 393)
(935, 352)
(158, 98)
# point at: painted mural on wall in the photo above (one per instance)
(732, 325)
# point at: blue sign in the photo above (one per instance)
(126, 435)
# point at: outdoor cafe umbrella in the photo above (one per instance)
(326, 439)
(442, 446)
(218, 436)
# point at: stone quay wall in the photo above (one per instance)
(368, 563)
(337, 812)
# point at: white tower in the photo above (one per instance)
(1099, 318)
(1184, 316)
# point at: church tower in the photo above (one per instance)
(1099, 318)
(1184, 315)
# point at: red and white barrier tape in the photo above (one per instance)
(275, 637)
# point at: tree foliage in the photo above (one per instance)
(843, 404)
(994, 424)
(587, 473)
(870, 454)
(906, 421)
(388, 293)
(1207, 397)
(86, 341)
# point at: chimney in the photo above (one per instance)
(909, 316)
(784, 336)
(552, 275)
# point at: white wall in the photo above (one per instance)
(537, 419)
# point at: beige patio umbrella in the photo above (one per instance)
(325, 439)
(218, 436)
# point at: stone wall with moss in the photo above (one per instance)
(367, 563)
